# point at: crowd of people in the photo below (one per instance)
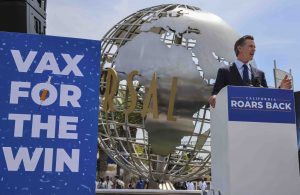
(189, 185)
(109, 183)
(117, 183)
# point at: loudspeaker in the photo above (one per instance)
(13, 16)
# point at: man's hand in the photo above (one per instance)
(286, 83)
(212, 100)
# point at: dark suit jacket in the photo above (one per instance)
(229, 75)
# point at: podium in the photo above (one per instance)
(254, 142)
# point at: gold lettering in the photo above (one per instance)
(133, 96)
(170, 116)
(112, 84)
(151, 95)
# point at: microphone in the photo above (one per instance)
(249, 83)
(256, 82)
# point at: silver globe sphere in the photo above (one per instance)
(172, 41)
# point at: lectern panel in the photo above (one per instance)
(261, 105)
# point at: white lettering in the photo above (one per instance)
(260, 105)
(48, 62)
(66, 124)
(281, 106)
(48, 159)
(233, 103)
(247, 104)
(23, 66)
(254, 104)
(63, 158)
(64, 127)
(73, 98)
(13, 163)
(15, 92)
(240, 104)
(72, 65)
(37, 126)
(275, 106)
(19, 122)
(268, 105)
(69, 94)
(35, 94)
(288, 106)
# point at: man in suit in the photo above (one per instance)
(241, 73)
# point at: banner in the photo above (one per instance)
(49, 114)
(261, 105)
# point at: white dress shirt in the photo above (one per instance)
(240, 68)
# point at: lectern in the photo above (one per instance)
(254, 142)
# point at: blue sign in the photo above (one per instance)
(49, 104)
(261, 105)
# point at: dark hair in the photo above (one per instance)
(240, 42)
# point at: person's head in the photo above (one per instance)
(244, 48)
(107, 178)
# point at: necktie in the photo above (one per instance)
(246, 78)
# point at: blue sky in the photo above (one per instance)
(275, 24)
